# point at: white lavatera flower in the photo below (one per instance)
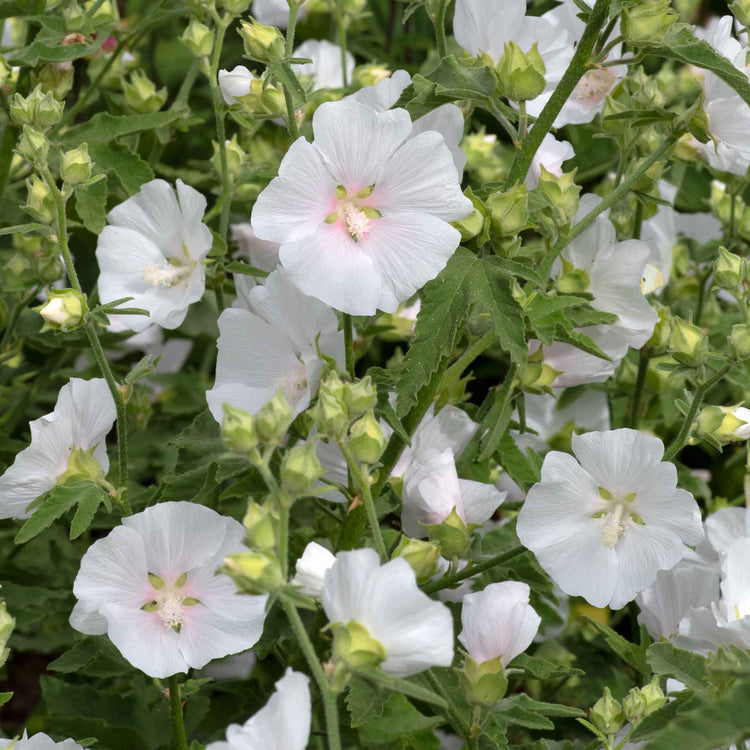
(498, 622)
(39, 741)
(311, 569)
(550, 155)
(325, 70)
(259, 253)
(614, 270)
(276, 12)
(273, 345)
(82, 418)
(153, 250)
(235, 83)
(282, 724)
(447, 119)
(724, 527)
(432, 489)
(742, 413)
(415, 631)
(151, 586)
(604, 523)
(362, 212)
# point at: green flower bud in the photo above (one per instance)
(485, 683)
(741, 11)
(40, 202)
(634, 706)
(366, 439)
(720, 425)
(606, 714)
(56, 79)
(254, 572)
(75, 18)
(359, 397)
(369, 75)
(235, 7)
(697, 125)
(421, 555)
(262, 524)
(198, 38)
(509, 211)
(263, 100)
(739, 340)
(7, 624)
(33, 146)
(521, 75)
(722, 667)
(76, 165)
(453, 535)
(653, 696)
(40, 110)
(262, 43)
(572, 280)
(729, 269)
(64, 310)
(236, 157)
(300, 469)
(649, 178)
(141, 94)
(82, 466)
(562, 193)
(647, 21)
(238, 430)
(273, 419)
(355, 647)
(538, 375)
(687, 342)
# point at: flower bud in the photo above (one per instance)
(263, 100)
(562, 193)
(453, 535)
(366, 439)
(653, 696)
(262, 43)
(485, 683)
(521, 75)
(538, 375)
(254, 572)
(355, 647)
(76, 165)
(634, 706)
(273, 419)
(369, 75)
(238, 430)
(235, 7)
(261, 522)
(141, 94)
(82, 466)
(741, 11)
(723, 665)
(236, 157)
(74, 16)
(572, 280)
(739, 340)
(421, 555)
(687, 342)
(40, 202)
(300, 469)
(720, 425)
(606, 714)
(509, 211)
(56, 79)
(359, 397)
(6, 628)
(647, 21)
(33, 146)
(64, 310)
(198, 38)
(40, 110)
(729, 269)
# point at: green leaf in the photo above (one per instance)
(543, 669)
(237, 266)
(41, 229)
(143, 367)
(91, 205)
(521, 710)
(121, 161)
(365, 701)
(494, 426)
(523, 469)
(39, 51)
(627, 651)
(88, 504)
(95, 656)
(406, 687)
(5, 697)
(667, 661)
(105, 127)
(399, 718)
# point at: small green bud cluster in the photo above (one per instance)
(262, 43)
(521, 74)
(141, 94)
(688, 344)
(646, 21)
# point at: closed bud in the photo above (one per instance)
(572, 280)
(741, 11)
(354, 647)
(82, 466)
(521, 75)
(421, 555)
(653, 696)
(33, 146)
(56, 79)
(262, 524)
(330, 416)
(509, 211)
(369, 75)
(76, 165)
(263, 100)
(485, 683)
(453, 535)
(647, 21)
(606, 714)
(729, 269)
(141, 94)
(64, 310)
(236, 157)
(40, 110)
(75, 18)
(739, 340)
(238, 430)
(40, 202)
(649, 178)
(300, 469)
(721, 425)
(538, 375)
(723, 666)
(7, 623)
(254, 572)
(235, 7)
(198, 38)
(359, 397)
(366, 439)
(562, 192)
(262, 43)
(273, 419)
(687, 342)
(634, 706)
(697, 125)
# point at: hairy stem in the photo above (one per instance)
(472, 570)
(175, 713)
(291, 115)
(349, 342)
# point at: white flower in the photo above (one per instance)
(276, 12)
(259, 253)
(447, 119)
(234, 667)
(362, 213)
(725, 526)
(604, 525)
(153, 250)
(432, 490)
(235, 83)
(415, 631)
(39, 741)
(311, 570)
(82, 418)
(743, 414)
(282, 724)
(498, 622)
(550, 155)
(151, 586)
(325, 68)
(271, 346)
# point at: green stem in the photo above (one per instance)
(363, 484)
(522, 120)
(283, 547)
(639, 383)
(329, 697)
(472, 570)
(473, 351)
(348, 342)
(175, 713)
(577, 68)
(291, 115)
(341, 24)
(442, 44)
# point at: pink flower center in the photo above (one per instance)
(352, 213)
